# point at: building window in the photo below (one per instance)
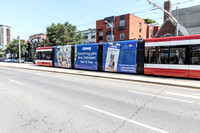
(39, 39)
(140, 24)
(85, 36)
(140, 36)
(151, 32)
(122, 22)
(122, 36)
(109, 25)
(196, 56)
(8, 35)
(93, 34)
(109, 38)
(100, 32)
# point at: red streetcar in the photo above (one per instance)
(173, 56)
(44, 56)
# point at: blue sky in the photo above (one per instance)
(31, 17)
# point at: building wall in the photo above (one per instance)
(189, 18)
(167, 29)
(6, 35)
(88, 36)
(185, 16)
(135, 28)
(35, 42)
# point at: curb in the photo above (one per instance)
(107, 77)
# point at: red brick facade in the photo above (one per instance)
(35, 41)
(134, 28)
(168, 28)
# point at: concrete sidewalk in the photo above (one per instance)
(191, 83)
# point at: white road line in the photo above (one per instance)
(129, 120)
(183, 95)
(170, 98)
(16, 82)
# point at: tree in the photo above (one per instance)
(149, 21)
(62, 34)
(13, 47)
(1, 53)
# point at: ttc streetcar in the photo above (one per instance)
(170, 56)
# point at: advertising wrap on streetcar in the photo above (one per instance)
(63, 56)
(120, 56)
(86, 56)
(112, 57)
(128, 57)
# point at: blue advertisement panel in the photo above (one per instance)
(62, 56)
(86, 56)
(127, 58)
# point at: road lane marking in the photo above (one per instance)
(183, 95)
(16, 82)
(125, 119)
(170, 98)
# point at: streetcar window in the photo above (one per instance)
(153, 55)
(39, 55)
(164, 56)
(45, 55)
(158, 56)
(177, 56)
(196, 56)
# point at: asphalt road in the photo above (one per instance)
(44, 102)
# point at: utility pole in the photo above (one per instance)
(177, 21)
(19, 51)
(169, 14)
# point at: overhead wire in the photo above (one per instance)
(138, 12)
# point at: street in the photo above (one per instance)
(46, 102)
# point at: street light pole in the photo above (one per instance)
(112, 39)
(19, 51)
(177, 21)
(111, 25)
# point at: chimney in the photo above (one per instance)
(167, 7)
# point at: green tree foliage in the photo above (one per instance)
(1, 53)
(13, 47)
(149, 21)
(62, 34)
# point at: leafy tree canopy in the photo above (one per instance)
(149, 21)
(13, 47)
(1, 53)
(62, 34)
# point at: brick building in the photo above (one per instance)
(125, 27)
(168, 28)
(35, 42)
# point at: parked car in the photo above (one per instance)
(14, 60)
(22, 61)
(8, 60)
